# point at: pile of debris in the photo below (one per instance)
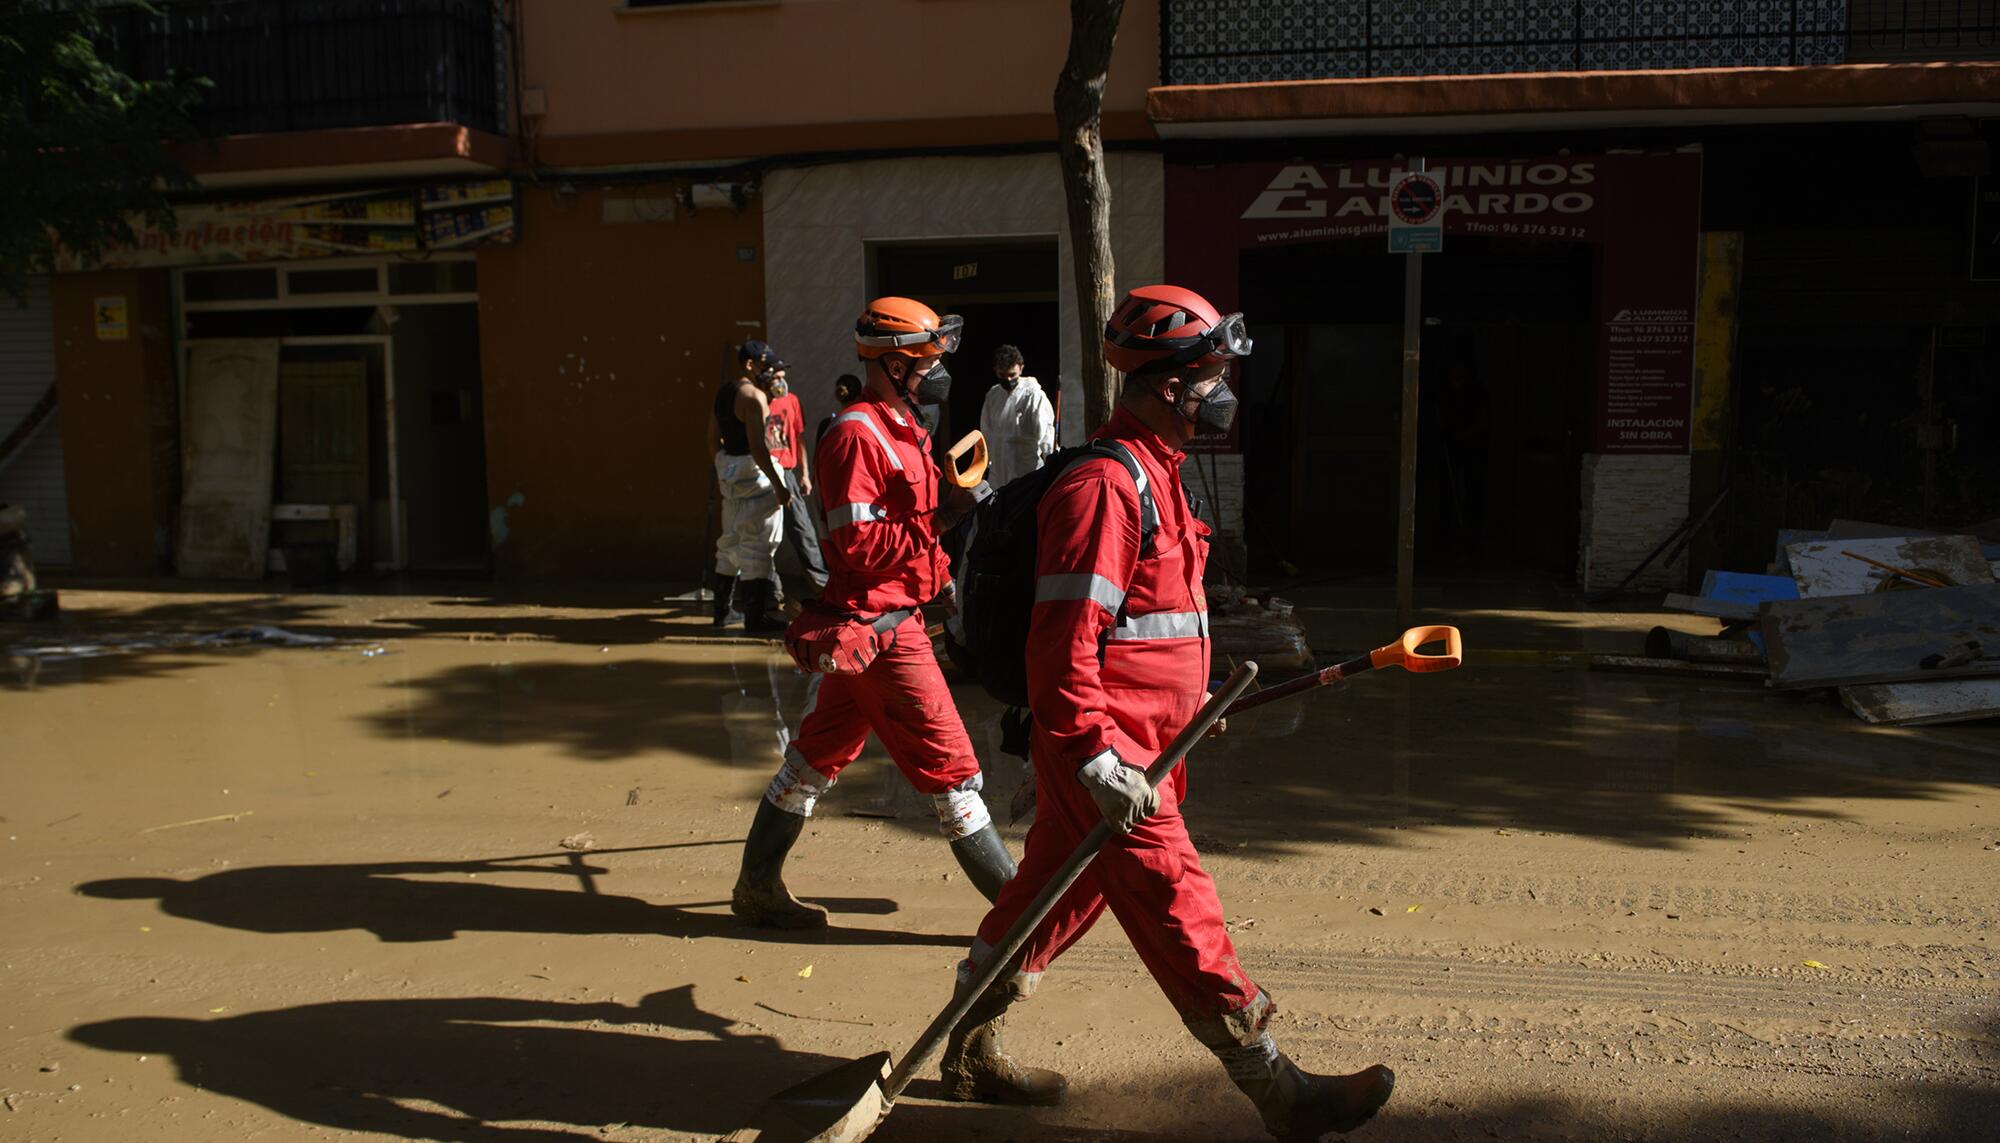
(1261, 627)
(1904, 624)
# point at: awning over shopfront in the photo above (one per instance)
(1569, 100)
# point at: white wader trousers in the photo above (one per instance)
(750, 530)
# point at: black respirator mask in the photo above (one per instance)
(933, 388)
(1213, 413)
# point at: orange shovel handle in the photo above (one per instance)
(1404, 652)
(964, 473)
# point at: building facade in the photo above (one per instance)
(1717, 261)
(480, 294)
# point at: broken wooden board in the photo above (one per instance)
(1786, 538)
(1639, 665)
(1823, 568)
(1666, 643)
(1924, 704)
(1894, 636)
(228, 447)
(1720, 608)
(1863, 530)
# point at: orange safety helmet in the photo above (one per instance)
(1160, 327)
(907, 327)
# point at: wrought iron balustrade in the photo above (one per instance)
(301, 65)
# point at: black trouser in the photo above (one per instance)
(799, 532)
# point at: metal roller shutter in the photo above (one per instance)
(33, 475)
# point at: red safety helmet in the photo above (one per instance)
(905, 326)
(1154, 328)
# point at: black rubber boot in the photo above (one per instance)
(1296, 1104)
(986, 862)
(757, 616)
(724, 588)
(976, 1067)
(760, 897)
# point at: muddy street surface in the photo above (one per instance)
(462, 874)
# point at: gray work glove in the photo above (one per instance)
(1120, 791)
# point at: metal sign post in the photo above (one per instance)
(1415, 228)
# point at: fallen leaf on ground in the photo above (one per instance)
(1413, 908)
(806, 972)
(1814, 964)
(744, 979)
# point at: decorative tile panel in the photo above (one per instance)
(1239, 41)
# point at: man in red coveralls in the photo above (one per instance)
(881, 491)
(1117, 659)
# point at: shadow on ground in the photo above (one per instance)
(120, 626)
(478, 1068)
(1928, 1111)
(398, 901)
(520, 1070)
(1640, 761)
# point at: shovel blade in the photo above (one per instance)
(839, 1106)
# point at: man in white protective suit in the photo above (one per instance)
(1017, 419)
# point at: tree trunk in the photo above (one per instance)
(1093, 31)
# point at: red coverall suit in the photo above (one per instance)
(879, 487)
(1150, 617)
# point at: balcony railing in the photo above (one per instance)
(302, 65)
(1238, 41)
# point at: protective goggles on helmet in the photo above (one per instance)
(1229, 337)
(946, 336)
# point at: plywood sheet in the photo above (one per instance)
(1897, 636)
(1824, 569)
(1924, 704)
(228, 442)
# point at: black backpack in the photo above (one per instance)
(996, 580)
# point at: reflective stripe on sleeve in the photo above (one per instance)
(1079, 585)
(875, 431)
(1163, 625)
(854, 514)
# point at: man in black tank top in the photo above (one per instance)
(752, 508)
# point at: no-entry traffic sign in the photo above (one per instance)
(1416, 205)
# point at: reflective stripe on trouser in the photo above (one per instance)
(902, 697)
(750, 530)
(800, 535)
(1153, 883)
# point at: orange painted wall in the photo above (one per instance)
(608, 70)
(120, 422)
(601, 345)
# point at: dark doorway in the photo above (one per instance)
(334, 443)
(441, 437)
(1006, 291)
(1505, 390)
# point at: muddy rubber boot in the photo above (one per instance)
(757, 617)
(1296, 1104)
(986, 862)
(760, 897)
(724, 588)
(976, 1067)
